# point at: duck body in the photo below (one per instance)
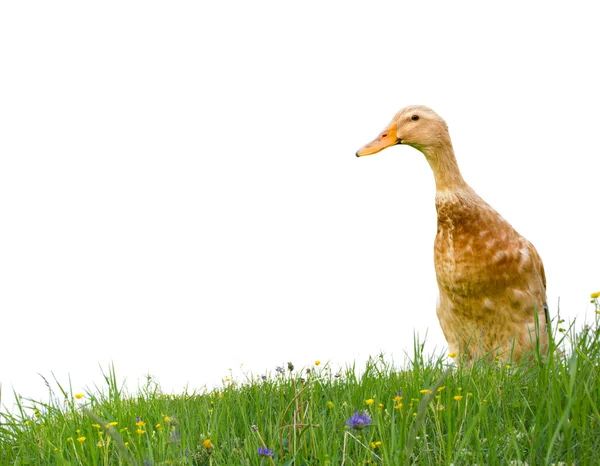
(491, 279)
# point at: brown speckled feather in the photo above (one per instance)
(491, 280)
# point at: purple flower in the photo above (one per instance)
(359, 420)
(264, 377)
(265, 451)
(399, 393)
(279, 369)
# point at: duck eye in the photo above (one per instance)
(414, 117)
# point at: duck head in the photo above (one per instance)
(416, 126)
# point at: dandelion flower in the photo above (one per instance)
(458, 397)
(97, 426)
(396, 399)
(113, 423)
(370, 401)
(425, 391)
(441, 388)
(595, 295)
(141, 432)
(81, 439)
(398, 406)
(79, 396)
(207, 444)
(359, 420)
(452, 355)
(375, 444)
(265, 451)
(317, 362)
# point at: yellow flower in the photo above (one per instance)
(219, 396)
(507, 366)
(207, 444)
(425, 391)
(375, 444)
(380, 406)
(458, 397)
(317, 362)
(99, 444)
(452, 355)
(210, 411)
(485, 401)
(97, 426)
(158, 426)
(595, 295)
(227, 379)
(140, 423)
(396, 399)
(441, 388)
(140, 431)
(79, 396)
(167, 419)
(113, 423)
(27, 422)
(398, 406)
(330, 404)
(126, 444)
(370, 401)
(81, 439)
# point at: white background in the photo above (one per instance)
(179, 193)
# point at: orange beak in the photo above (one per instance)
(387, 138)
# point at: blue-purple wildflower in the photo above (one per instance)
(359, 420)
(279, 369)
(265, 451)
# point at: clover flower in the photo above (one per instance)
(359, 420)
(265, 451)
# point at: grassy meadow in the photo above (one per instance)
(428, 412)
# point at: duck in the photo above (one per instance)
(492, 285)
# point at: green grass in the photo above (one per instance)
(540, 413)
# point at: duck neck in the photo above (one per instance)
(445, 168)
